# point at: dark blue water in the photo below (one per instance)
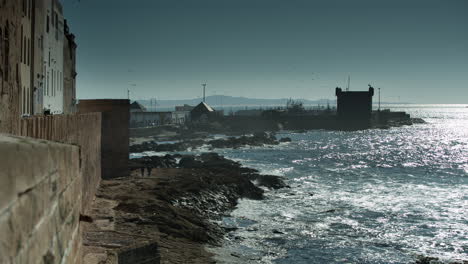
(375, 196)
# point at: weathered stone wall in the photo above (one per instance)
(10, 55)
(115, 134)
(83, 130)
(40, 201)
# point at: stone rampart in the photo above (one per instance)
(83, 130)
(114, 133)
(40, 201)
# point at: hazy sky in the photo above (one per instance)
(415, 49)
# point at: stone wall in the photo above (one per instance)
(10, 54)
(83, 130)
(115, 134)
(40, 201)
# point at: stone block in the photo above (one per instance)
(9, 243)
(64, 230)
(66, 159)
(73, 254)
(38, 246)
(28, 211)
(69, 199)
(26, 164)
(40, 201)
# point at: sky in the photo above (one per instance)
(414, 50)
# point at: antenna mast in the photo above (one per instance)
(204, 89)
(349, 81)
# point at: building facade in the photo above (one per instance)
(26, 58)
(38, 55)
(37, 61)
(53, 57)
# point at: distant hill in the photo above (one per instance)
(231, 101)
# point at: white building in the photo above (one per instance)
(53, 57)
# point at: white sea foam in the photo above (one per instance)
(375, 196)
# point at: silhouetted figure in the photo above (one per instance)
(149, 168)
(142, 170)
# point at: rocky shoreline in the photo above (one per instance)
(257, 139)
(175, 209)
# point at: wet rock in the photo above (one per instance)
(189, 162)
(432, 260)
(258, 139)
(268, 181)
(285, 139)
(276, 231)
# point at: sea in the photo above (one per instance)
(372, 196)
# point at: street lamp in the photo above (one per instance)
(379, 99)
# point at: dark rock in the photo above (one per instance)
(258, 139)
(276, 231)
(189, 162)
(432, 260)
(269, 181)
(285, 139)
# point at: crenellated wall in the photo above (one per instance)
(40, 201)
(82, 130)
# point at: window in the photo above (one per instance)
(29, 51)
(23, 96)
(22, 43)
(25, 100)
(1, 39)
(24, 49)
(47, 83)
(30, 9)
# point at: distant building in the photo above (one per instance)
(150, 119)
(137, 107)
(202, 112)
(354, 107)
(140, 117)
(180, 117)
(184, 108)
(182, 114)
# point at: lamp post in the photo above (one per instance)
(379, 99)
